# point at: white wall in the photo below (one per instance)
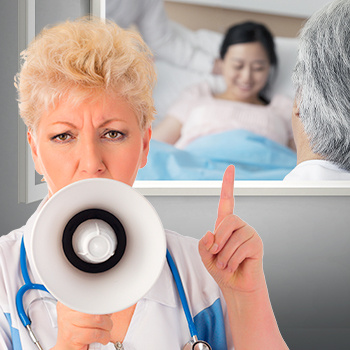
(306, 258)
(12, 214)
(293, 8)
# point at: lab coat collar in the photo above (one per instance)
(164, 290)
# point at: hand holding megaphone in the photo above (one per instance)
(76, 330)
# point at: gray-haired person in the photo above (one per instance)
(321, 112)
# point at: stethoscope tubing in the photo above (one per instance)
(28, 285)
(180, 288)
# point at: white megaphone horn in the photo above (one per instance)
(98, 246)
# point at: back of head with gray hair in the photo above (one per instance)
(322, 81)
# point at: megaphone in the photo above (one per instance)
(98, 246)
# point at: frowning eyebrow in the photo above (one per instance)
(110, 121)
(65, 123)
(106, 122)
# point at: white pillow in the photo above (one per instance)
(173, 80)
(286, 50)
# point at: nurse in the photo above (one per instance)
(85, 93)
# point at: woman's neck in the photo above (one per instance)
(121, 322)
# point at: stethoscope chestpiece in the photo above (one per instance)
(195, 344)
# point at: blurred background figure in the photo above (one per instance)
(321, 113)
(168, 40)
(248, 63)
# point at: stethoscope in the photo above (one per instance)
(193, 344)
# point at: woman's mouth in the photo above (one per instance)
(245, 87)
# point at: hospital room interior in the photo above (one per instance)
(303, 224)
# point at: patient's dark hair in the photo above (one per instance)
(248, 32)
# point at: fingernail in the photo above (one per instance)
(214, 248)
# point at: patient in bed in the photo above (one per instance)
(248, 64)
(321, 112)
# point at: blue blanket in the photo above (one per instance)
(255, 158)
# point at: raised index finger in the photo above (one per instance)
(226, 202)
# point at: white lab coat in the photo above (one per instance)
(158, 321)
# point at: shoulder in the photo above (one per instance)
(10, 241)
(200, 287)
(207, 305)
(202, 89)
(281, 106)
(175, 239)
(10, 249)
(281, 101)
(184, 249)
(189, 99)
(10, 244)
(317, 170)
(9, 264)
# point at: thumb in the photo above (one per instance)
(204, 246)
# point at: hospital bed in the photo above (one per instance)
(255, 157)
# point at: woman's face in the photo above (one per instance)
(245, 68)
(92, 140)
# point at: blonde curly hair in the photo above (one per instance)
(81, 60)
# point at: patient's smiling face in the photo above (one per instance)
(99, 139)
(245, 68)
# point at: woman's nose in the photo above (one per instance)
(91, 160)
(246, 75)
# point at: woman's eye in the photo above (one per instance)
(114, 135)
(237, 67)
(62, 137)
